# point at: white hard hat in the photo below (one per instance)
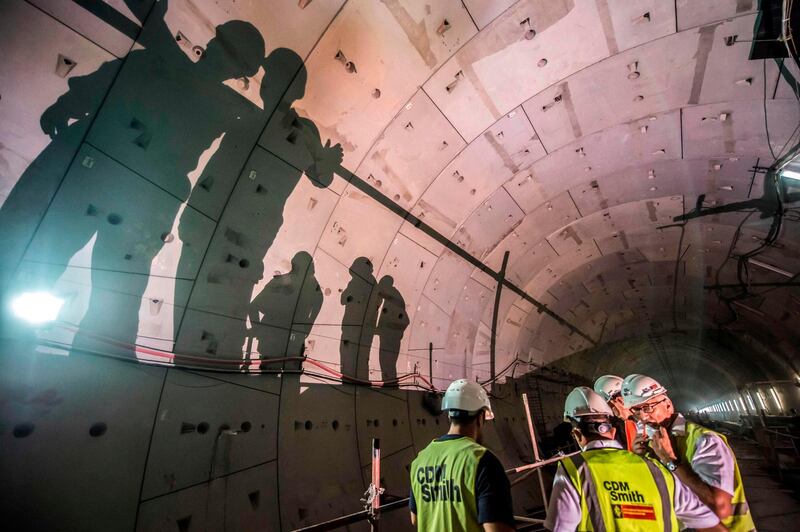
(467, 396)
(608, 386)
(583, 401)
(636, 389)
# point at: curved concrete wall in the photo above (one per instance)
(186, 185)
(171, 170)
(93, 443)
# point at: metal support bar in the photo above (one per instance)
(530, 520)
(528, 471)
(430, 361)
(737, 285)
(501, 276)
(535, 445)
(111, 16)
(352, 518)
(376, 485)
(403, 503)
(387, 202)
(770, 267)
(528, 467)
(394, 505)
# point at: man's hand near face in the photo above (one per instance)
(661, 443)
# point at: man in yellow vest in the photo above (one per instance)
(700, 457)
(457, 485)
(606, 488)
(609, 387)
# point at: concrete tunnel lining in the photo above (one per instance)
(204, 237)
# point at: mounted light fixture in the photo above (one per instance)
(770, 267)
(789, 170)
(788, 173)
(775, 397)
(37, 307)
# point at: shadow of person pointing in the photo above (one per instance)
(254, 214)
(129, 181)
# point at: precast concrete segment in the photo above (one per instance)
(447, 243)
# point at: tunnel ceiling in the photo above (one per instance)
(569, 134)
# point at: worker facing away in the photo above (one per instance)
(699, 457)
(457, 484)
(606, 488)
(609, 387)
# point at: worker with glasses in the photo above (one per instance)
(609, 387)
(606, 488)
(701, 458)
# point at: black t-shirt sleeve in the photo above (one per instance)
(412, 504)
(493, 492)
(621, 436)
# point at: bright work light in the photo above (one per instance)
(37, 307)
(791, 170)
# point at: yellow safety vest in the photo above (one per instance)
(740, 520)
(621, 491)
(443, 483)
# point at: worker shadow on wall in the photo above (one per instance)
(130, 180)
(372, 308)
(142, 167)
(252, 220)
(289, 303)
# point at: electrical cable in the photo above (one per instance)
(786, 31)
(164, 358)
(742, 267)
(766, 125)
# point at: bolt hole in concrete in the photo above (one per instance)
(255, 498)
(394, 422)
(377, 423)
(246, 426)
(114, 219)
(309, 425)
(335, 424)
(98, 429)
(202, 428)
(183, 523)
(23, 430)
(244, 263)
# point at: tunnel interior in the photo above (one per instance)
(242, 240)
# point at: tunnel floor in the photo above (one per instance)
(775, 503)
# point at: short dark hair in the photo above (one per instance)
(589, 426)
(462, 417)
